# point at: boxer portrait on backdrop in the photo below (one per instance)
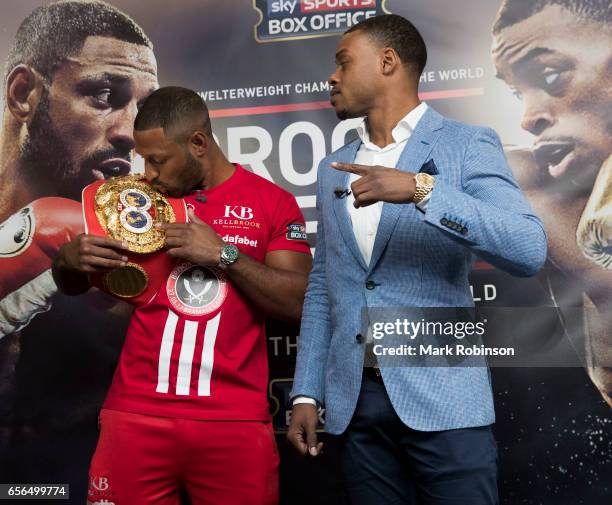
(563, 78)
(424, 195)
(70, 98)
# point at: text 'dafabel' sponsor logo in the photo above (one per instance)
(239, 240)
(290, 19)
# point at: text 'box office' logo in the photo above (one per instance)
(299, 19)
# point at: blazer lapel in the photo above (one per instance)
(340, 180)
(414, 155)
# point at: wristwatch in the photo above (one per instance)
(229, 256)
(424, 185)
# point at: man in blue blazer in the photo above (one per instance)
(403, 211)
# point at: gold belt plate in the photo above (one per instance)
(128, 209)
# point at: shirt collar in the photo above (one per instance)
(401, 132)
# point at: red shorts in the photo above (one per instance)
(142, 460)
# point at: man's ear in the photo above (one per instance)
(198, 143)
(24, 88)
(390, 61)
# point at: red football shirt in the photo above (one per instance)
(198, 349)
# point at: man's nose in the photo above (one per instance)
(537, 116)
(121, 131)
(332, 79)
(150, 173)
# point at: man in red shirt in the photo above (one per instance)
(188, 407)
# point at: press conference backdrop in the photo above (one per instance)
(262, 67)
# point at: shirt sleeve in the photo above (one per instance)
(422, 205)
(288, 230)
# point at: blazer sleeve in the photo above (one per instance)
(315, 330)
(489, 214)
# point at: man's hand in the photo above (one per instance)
(92, 254)
(302, 430)
(379, 184)
(194, 241)
(86, 254)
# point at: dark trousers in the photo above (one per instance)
(386, 462)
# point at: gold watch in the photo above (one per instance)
(424, 185)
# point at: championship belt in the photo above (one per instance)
(127, 209)
(594, 232)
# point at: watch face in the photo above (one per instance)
(425, 179)
(229, 254)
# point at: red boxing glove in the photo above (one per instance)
(30, 239)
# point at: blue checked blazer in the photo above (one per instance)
(420, 259)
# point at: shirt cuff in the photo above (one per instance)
(423, 203)
(304, 399)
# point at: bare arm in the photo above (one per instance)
(276, 286)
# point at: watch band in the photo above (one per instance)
(424, 185)
(229, 255)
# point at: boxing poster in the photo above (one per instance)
(535, 71)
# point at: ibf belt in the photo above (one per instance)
(127, 209)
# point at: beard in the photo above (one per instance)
(343, 114)
(48, 163)
(44, 155)
(188, 178)
(348, 113)
(192, 166)
(193, 172)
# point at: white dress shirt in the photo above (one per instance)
(365, 220)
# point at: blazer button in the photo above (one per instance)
(443, 221)
(370, 284)
(359, 338)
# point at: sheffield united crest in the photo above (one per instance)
(196, 290)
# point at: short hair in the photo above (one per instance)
(514, 11)
(396, 32)
(179, 111)
(51, 33)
